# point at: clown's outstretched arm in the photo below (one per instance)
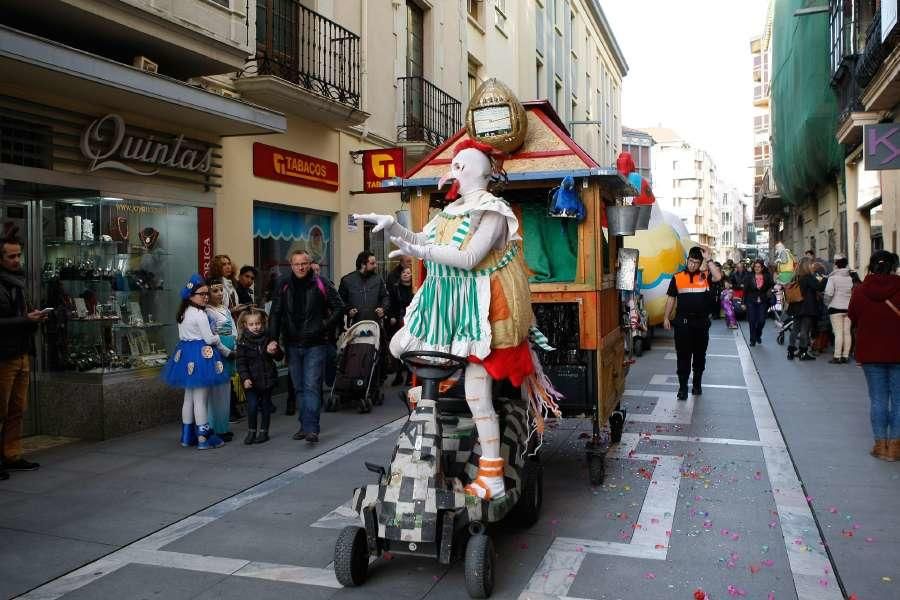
(394, 229)
(491, 229)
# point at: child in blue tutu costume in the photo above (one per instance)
(197, 365)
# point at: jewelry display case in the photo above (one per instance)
(110, 270)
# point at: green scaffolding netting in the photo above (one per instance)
(805, 153)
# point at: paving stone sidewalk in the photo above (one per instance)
(823, 412)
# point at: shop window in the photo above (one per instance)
(277, 232)
(112, 269)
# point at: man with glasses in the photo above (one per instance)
(691, 296)
(304, 308)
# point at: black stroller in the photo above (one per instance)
(358, 368)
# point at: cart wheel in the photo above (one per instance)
(781, 339)
(616, 425)
(638, 346)
(333, 403)
(528, 508)
(351, 556)
(480, 566)
(596, 468)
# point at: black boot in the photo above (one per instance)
(263, 435)
(682, 388)
(790, 354)
(251, 435)
(697, 389)
(804, 355)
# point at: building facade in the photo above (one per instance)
(110, 169)
(685, 182)
(639, 144)
(864, 54)
(732, 210)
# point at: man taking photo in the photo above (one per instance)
(17, 328)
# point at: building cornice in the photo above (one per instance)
(607, 32)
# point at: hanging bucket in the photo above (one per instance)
(643, 220)
(622, 219)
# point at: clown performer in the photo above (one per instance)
(785, 264)
(475, 302)
(197, 365)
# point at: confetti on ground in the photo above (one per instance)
(735, 592)
(649, 576)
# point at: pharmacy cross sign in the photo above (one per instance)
(881, 146)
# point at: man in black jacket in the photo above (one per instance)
(363, 290)
(304, 308)
(17, 328)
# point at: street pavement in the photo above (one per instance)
(718, 493)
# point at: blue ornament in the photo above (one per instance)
(565, 202)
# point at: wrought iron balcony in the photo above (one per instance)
(848, 89)
(873, 55)
(306, 49)
(429, 114)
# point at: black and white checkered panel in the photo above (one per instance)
(408, 505)
(459, 435)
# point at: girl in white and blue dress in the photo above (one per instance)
(222, 325)
(197, 365)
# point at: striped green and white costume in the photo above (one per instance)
(451, 311)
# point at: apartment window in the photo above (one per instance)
(574, 75)
(539, 78)
(473, 7)
(415, 40)
(558, 52)
(589, 91)
(558, 97)
(500, 15)
(474, 78)
(574, 108)
(539, 20)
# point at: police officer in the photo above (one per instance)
(692, 290)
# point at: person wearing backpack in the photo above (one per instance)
(304, 308)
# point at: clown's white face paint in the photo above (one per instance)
(471, 168)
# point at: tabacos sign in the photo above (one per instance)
(108, 144)
(270, 162)
(381, 164)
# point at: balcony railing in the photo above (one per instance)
(304, 48)
(429, 114)
(873, 55)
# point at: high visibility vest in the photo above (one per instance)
(688, 285)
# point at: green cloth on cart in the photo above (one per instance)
(551, 245)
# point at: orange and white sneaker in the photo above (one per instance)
(488, 485)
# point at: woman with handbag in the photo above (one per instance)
(875, 311)
(757, 288)
(803, 296)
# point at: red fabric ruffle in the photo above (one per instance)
(513, 363)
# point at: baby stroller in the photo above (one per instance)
(358, 368)
(783, 319)
(737, 303)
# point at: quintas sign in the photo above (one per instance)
(379, 165)
(108, 145)
(292, 167)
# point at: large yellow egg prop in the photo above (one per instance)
(663, 252)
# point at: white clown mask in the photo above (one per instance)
(470, 170)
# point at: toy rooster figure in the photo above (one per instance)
(475, 302)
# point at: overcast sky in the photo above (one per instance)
(690, 70)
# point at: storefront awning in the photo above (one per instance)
(32, 62)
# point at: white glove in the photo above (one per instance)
(404, 248)
(381, 221)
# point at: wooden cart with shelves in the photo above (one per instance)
(579, 311)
